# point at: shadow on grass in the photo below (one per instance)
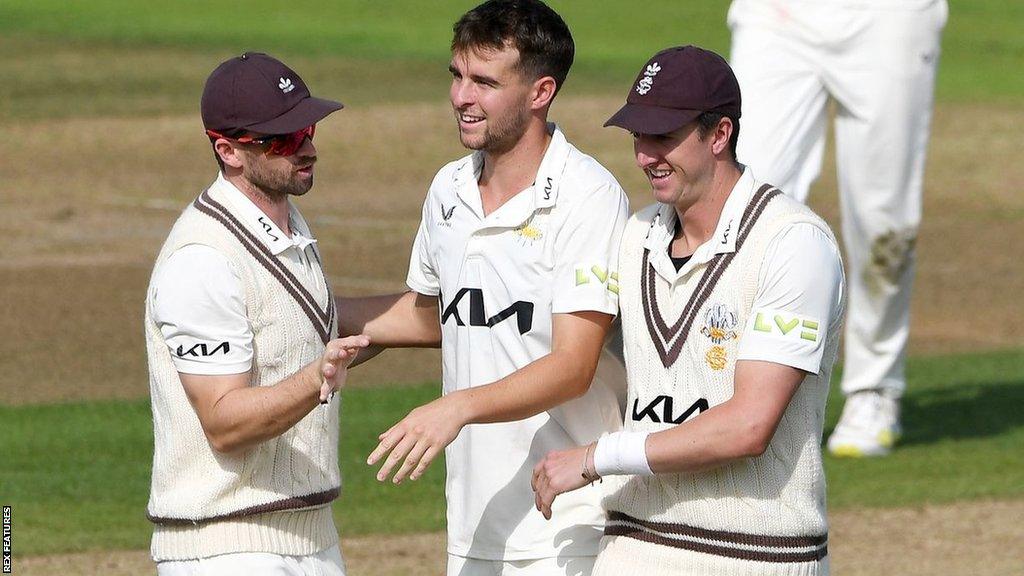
(968, 412)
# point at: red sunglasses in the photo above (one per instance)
(280, 144)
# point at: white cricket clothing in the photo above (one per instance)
(622, 452)
(751, 292)
(551, 249)
(801, 276)
(325, 563)
(198, 301)
(877, 60)
(275, 496)
(555, 566)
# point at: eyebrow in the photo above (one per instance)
(475, 77)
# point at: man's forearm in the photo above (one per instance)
(541, 385)
(248, 416)
(741, 427)
(392, 321)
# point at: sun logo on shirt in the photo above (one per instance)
(528, 233)
(719, 325)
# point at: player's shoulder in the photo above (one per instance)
(446, 178)
(783, 212)
(588, 176)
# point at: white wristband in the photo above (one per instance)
(622, 453)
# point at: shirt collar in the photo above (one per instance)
(260, 224)
(542, 194)
(721, 242)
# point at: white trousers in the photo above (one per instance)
(878, 66)
(561, 566)
(326, 563)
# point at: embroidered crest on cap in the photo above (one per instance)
(645, 83)
(286, 85)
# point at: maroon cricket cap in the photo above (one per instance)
(674, 87)
(258, 93)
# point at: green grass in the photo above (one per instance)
(964, 429)
(77, 475)
(113, 57)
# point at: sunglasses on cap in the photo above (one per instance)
(280, 144)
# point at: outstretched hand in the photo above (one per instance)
(334, 363)
(418, 439)
(559, 472)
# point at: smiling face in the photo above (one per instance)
(682, 165)
(678, 164)
(491, 99)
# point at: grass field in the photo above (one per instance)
(964, 426)
(113, 57)
(103, 147)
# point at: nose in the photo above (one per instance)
(461, 93)
(307, 148)
(645, 152)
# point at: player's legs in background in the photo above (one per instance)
(883, 81)
(782, 127)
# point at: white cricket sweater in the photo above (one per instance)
(274, 497)
(763, 515)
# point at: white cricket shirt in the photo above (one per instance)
(552, 248)
(198, 299)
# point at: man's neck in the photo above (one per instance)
(508, 173)
(275, 206)
(699, 219)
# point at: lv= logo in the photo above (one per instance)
(780, 324)
(609, 279)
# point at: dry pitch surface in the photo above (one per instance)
(977, 539)
(86, 203)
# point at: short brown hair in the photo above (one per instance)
(545, 45)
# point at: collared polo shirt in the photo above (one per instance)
(499, 278)
(801, 276)
(199, 302)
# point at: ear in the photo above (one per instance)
(721, 135)
(228, 153)
(542, 93)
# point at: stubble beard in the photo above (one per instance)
(275, 185)
(501, 134)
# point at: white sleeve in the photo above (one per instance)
(586, 275)
(799, 298)
(422, 277)
(200, 309)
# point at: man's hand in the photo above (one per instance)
(559, 472)
(337, 356)
(418, 438)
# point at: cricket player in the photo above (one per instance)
(876, 59)
(240, 327)
(731, 299)
(513, 273)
